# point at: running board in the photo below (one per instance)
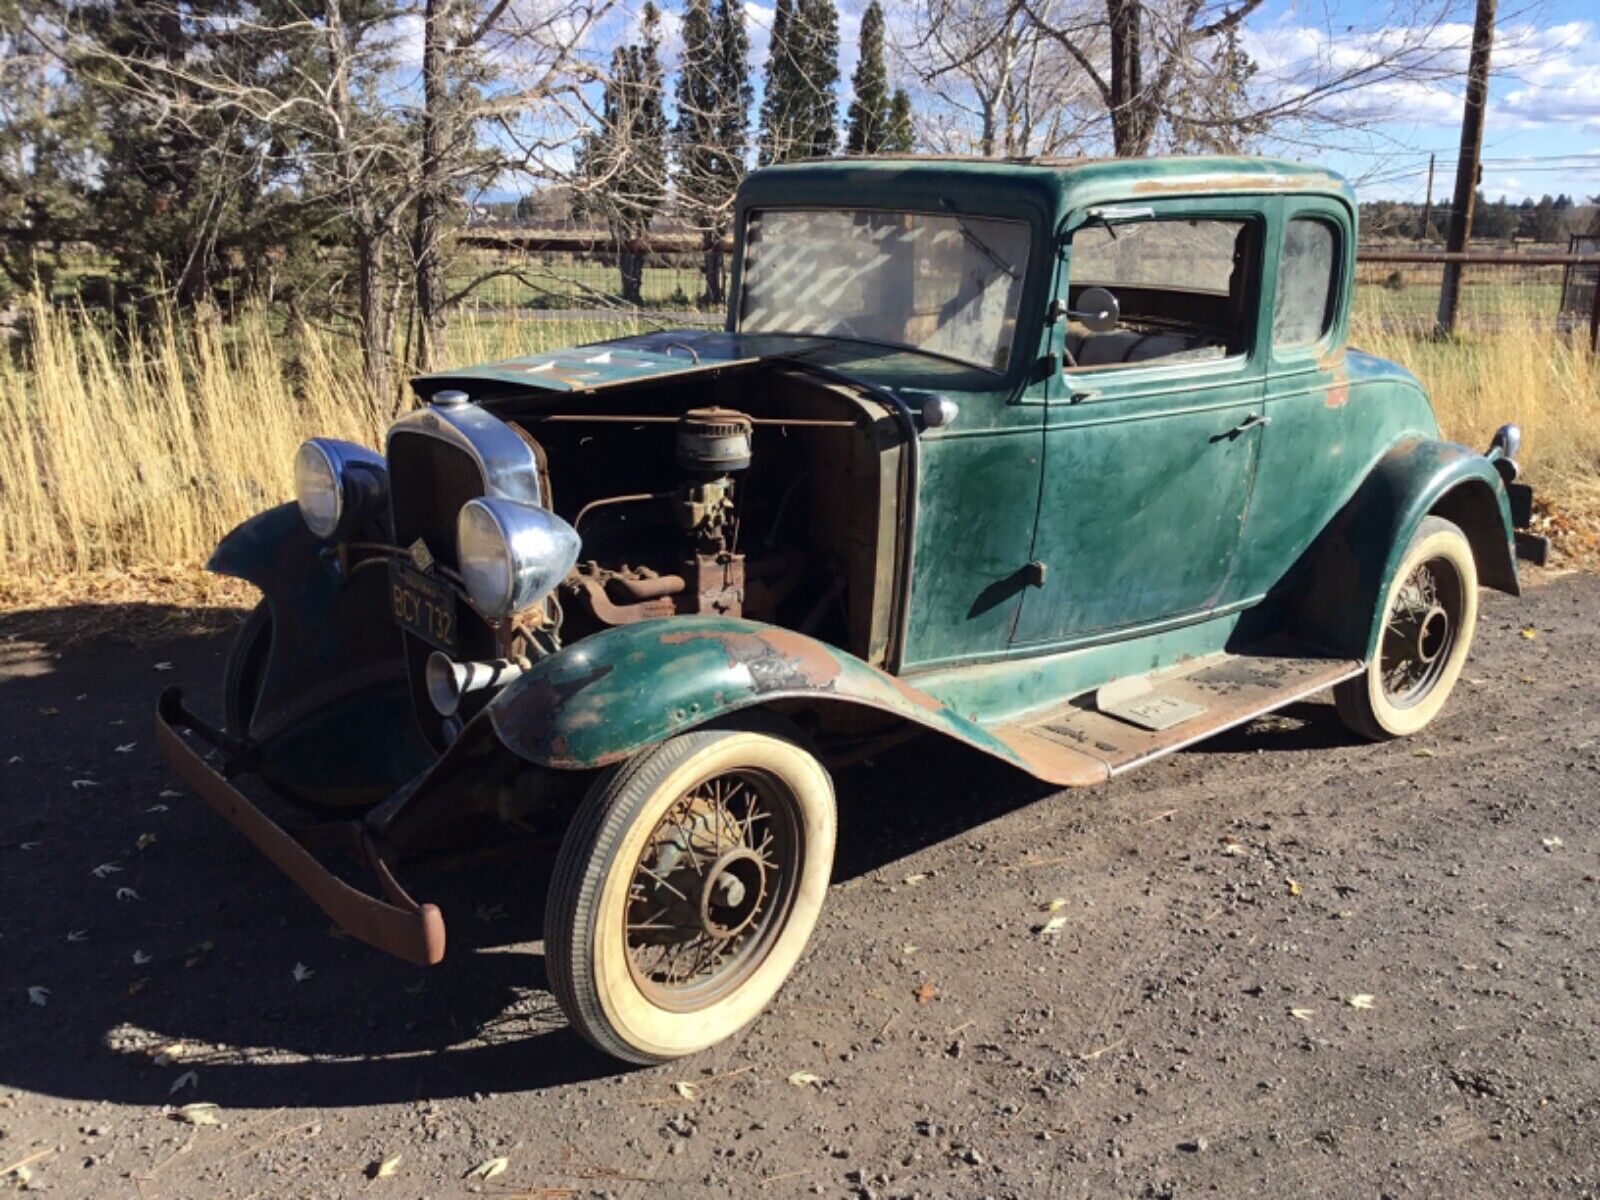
(1128, 723)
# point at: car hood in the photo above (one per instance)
(682, 352)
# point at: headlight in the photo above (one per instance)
(512, 554)
(317, 490)
(338, 486)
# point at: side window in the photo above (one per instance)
(1302, 311)
(1183, 285)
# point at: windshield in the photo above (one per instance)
(942, 284)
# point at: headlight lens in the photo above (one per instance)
(317, 489)
(512, 554)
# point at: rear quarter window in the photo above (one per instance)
(1302, 311)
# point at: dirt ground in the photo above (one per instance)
(1287, 965)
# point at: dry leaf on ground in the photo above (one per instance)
(1360, 1000)
(488, 1168)
(1302, 1014)
(804, 1079)
(384, 1169)
(925, 992)
(687, 1090)
(199, 1113)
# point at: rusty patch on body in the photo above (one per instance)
(1232, 183)
(777, 659)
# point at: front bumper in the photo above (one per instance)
(398, 924)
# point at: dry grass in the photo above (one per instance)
(1545, 381)
(124, 458)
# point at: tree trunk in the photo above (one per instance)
(433, 189)
(630, 266)
(716, 294)
(1130, 130)
(373, 314)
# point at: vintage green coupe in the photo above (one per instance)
(1066, 461)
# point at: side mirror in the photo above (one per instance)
(1098, 309)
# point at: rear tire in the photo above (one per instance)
(686, 889)
(1429, 616)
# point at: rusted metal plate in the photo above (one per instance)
(1204, 697)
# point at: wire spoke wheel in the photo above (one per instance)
(687, 886)
(1421, 630)
(1422, 633)
(711, 888)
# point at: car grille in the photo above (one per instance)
(429, 481)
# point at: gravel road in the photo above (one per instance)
(1283, 964)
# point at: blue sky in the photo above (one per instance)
(1543, 126)
(1542, 132)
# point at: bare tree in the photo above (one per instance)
(998, 86)
(1175, 73)
(368, 150)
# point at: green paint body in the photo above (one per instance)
(1177, 508)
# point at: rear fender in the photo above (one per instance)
(617, 692)
(1351, 565)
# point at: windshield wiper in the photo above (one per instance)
(966, 231)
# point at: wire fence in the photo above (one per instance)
(675, 280)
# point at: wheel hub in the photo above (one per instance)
(732, 893)
(1433, 634)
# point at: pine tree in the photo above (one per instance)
(869, 114)
(47, 130)
(799, 112)
(902, 135)
(623, 164)
(778, 100)
(817, 49)
(713, 126)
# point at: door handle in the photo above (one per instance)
(1253, 421)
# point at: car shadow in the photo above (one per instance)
(164, 944)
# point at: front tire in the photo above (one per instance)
(244, 670)
(1429, 616)
(686, 889)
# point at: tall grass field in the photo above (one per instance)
(130, 454)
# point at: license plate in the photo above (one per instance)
(423, 606)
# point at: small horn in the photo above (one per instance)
(447, 680)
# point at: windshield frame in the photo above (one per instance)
(1024, 336)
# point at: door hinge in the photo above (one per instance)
(1033, 574)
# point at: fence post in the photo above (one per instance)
(1594, 314)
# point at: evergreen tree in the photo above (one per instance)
(623, 164)
(817, 48)
(902, 135)
(47, 129)
(869, 114)
(799, 112)
(710, 138)
(779, 99)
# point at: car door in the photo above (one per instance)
(1151, 437)
(1322, 438)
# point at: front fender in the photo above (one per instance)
(335, 677)
(617, 692)
(1354, 561)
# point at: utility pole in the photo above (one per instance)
(1427, 205)
(1468, 168)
